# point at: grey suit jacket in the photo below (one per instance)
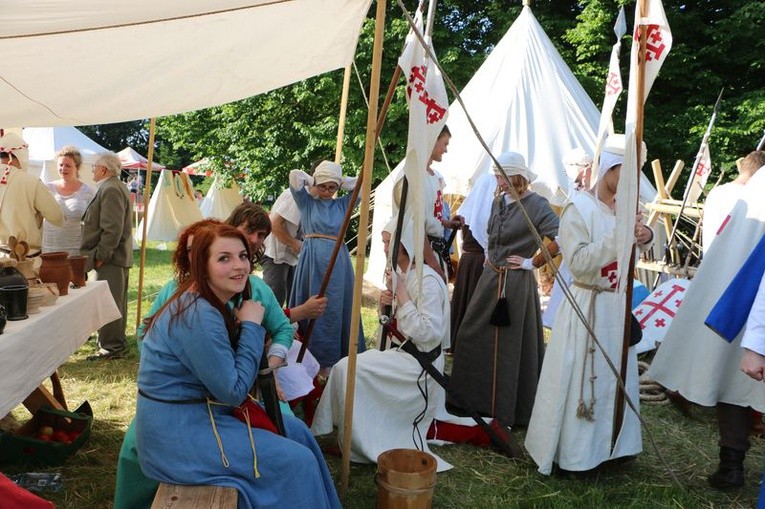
(107, 226)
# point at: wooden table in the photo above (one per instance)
(31, 350)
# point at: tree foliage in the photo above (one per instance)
(259, 139)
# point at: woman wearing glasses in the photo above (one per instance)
(322, 216)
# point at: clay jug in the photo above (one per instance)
(55, 268)
(77, 262)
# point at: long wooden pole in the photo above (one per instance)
(146, 198)
(343, 110)
(619, 406)
(369, 149)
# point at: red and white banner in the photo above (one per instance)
(658, 310)
(700, 176)
(614, 87)
(428, 109)
(658, 44)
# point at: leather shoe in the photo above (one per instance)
(105, 356)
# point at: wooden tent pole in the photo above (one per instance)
(343, 110)
(146, 197)
(369, 153)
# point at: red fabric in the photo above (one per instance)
(16, 497)
(458, 434)
(258, 416)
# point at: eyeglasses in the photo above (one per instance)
(329, 188)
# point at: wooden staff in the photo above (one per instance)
(366, 173)
(343, 110)
(619, 405)
(146, 196)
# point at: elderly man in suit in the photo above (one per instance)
(106, 240)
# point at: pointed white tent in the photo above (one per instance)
(523, 98)
(45, 142)
(221, 201)
(193, 55)
(132, 160)
(172, 207)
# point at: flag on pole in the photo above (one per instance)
(700, 176)
(428, 109)
(658, 45)
(614, 87)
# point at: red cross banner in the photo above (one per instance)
(428, 109)
(700, 177)
(659, 42)
(613, 90)
(658, 310)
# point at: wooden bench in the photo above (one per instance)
(173, 496)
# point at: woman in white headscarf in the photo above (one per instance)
(572, 420)
(322, 216)
(73, 196)
(497, 362)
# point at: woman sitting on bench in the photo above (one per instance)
(199, 359)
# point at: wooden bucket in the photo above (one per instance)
(406, 479)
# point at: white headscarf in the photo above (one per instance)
(514, 163)
(327, 171)
(15, 144)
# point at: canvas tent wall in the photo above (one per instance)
(522, 98)
(220, 202)
(45, 142)
(172, 207)
(192, 55)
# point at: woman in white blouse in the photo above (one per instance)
(73, 196)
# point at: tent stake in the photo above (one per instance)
(366, 175)
(146, 196)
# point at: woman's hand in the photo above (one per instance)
(753, 364)
(314, 307)
(516, 262)
(386, 298)
(643, 234)
(250, 311)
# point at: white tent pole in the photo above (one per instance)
(366, 175)
(343, 110)
(146, 196)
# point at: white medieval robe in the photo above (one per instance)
(555, 433)
(693, 360)
(388, 397)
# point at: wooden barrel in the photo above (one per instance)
(406, 479)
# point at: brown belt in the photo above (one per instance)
(594, 288)
(319, 236)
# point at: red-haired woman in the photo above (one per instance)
(199, 359)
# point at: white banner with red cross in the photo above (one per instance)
(700, 177)
(658, 310)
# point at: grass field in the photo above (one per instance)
(480, 479)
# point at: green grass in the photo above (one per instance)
(481, 478)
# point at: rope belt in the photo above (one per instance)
(501, 287)
(587, 410)
(320, 236)
(210, 402)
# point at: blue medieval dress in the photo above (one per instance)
(188, 380)
(321, 220)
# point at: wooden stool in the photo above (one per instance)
(173, 496)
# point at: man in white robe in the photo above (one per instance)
(390, 411)
(572, 419)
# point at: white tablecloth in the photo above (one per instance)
(32, 349)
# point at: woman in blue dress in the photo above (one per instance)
(321, 218)
(198, 361)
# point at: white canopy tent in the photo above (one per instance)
(172, 207)
(45, 142)
(220, 202)
(192, 55)
(132, 160)
(523, 98)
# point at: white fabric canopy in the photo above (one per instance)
(172, 207)
(45, 142)
(523, 98)
(132, 160)
(81, 62)
(220, 202)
